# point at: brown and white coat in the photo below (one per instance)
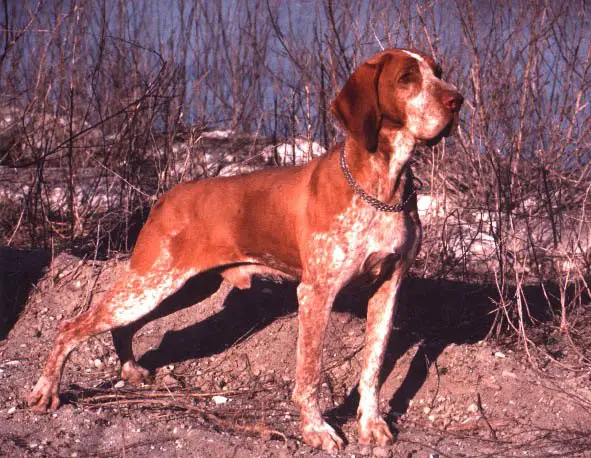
(322, 234)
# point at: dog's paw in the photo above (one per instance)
(44, 395)
(374, 431)
(322, 436)
(134, 374)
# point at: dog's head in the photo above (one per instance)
(400, 87)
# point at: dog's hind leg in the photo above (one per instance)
(195, 290)
(132, 297)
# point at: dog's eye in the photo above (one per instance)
(407, 78)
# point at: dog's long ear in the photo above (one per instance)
(357, 107)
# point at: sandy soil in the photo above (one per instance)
(224, 369)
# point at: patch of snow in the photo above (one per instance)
(429, 206)
(217, 134)
(236, 169)
(304, 152)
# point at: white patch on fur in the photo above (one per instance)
(375, 349)
(143, 293)
(362, 231)
(413, 55)
(357, 233)
(426, 115)
(140, 294)
(338, 256)
(403, 144)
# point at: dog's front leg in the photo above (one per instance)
(315, 304)
(380, 315)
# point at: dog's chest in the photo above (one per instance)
(357, 235)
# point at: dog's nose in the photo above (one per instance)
(453, 101)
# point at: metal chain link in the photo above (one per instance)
(376, 203)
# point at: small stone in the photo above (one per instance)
(11, 410)
(499, 354)
(472, 408)
(120, 384)
(427, 410)
(98, 363)
(219, 399)
(431, 418)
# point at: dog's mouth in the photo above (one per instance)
(447, 130)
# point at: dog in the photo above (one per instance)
(350, 212)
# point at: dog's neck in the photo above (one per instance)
(382, 173)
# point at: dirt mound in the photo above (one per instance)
(224, 369)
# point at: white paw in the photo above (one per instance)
(134, 373)
(322, 435)
(374, 430)
(45, 395)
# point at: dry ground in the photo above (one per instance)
(223, 372)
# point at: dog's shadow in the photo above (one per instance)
(244, 312)
(434, 313)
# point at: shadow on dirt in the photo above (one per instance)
(244, 312)
(433, 313)
(19, 271)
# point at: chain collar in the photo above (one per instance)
(376, 203)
